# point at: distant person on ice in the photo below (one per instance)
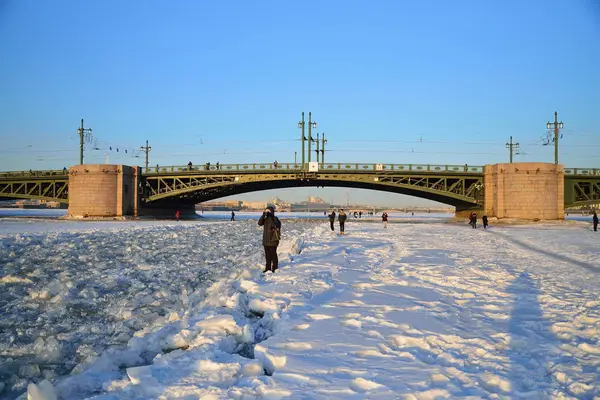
(484, 219)
(271, 236)
(232, 216)
(342, 220)
(177, 215)
(384, 218)
(473, 220)
(595, 221)
(332, 220)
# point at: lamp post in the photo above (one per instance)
(311, 125)
(82, 131)
(323, 141)
(512, 146)
(556, 125)
(317, 150)
(146, 149)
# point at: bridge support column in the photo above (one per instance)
(103, 190)
(524, 190)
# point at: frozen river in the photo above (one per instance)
(97, 308)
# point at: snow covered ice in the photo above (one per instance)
(415, 311)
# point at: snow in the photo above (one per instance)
(417, 311)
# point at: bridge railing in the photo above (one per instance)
(333, 167)
(583, 171)
(285, 167)
(34, 173)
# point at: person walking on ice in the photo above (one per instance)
(473, 220)
(484, 219)
(232, 216)
(342, 220)
(271, 235)
(595, 221)
(332, 220)
(384, 218)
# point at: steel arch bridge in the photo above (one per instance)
(459, 186)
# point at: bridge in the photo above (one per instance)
(162, 189)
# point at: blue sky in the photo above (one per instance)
(387, 81)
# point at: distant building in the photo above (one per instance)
(254, 205)
(305, 206)
(312, 204)
(220, 205)
(315, 200)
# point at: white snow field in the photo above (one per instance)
(415, 311)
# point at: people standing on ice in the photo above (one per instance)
(271, 235)
(484, 219)
(360, 214)
(342, 220)
(332, 220)
(177, 215)
(384, 218)
(232, 216)
(473, 220)
(595, 221)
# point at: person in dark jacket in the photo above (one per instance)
(342, 220)
(473, 220)
(384, 218)
(484, 219)
(332, 220)
(232, 216)
(271, 236)
(595, 221)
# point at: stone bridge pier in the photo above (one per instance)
(113, 191)
(526, 190)
(103, 191)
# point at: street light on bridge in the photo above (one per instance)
(512, 146)
(82, 131)
(301, 125)
(556, 125)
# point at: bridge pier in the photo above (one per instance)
(526, 190)
(103, 191)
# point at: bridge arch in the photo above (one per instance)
(460, 192)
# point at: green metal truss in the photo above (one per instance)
(582, 191)
(35, 189)
(462, 190)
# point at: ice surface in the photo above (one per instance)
(423, 311)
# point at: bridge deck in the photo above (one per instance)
(322, 167)
(292, 167)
